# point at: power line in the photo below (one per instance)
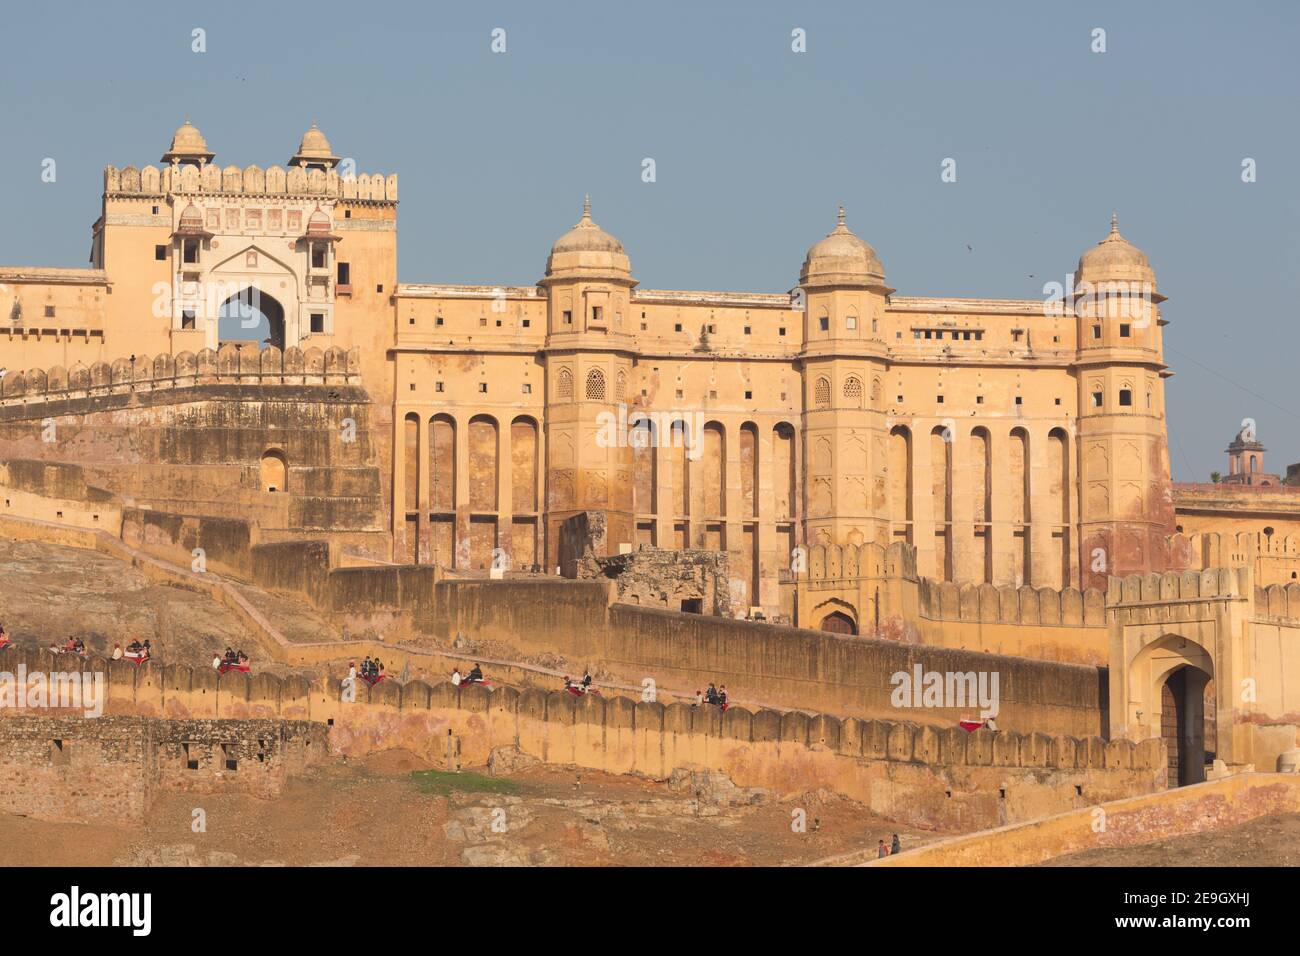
(1248, 391)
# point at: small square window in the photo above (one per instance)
(1125, 398)
(482, 321)
(940, 399)
(379, 288)
(498, 323)
(527, 388)
(979, 399)
(1096, 331)
(900, 398)
(747, 330)
(749, 394)
(1058, 401)
(781, 330)
(347, 213)
(568, 317)
(1123, 330)
(412, 386)
(677, 327)
(411, 320)
(187, 319)
(318, 322)
(643, 326)
(527, 323)
(482, 387)
(713, 393)
(679, 393)
(155, 210)
(825, 323)
(1096, 399)
(1020, 400)
(437, 386)
(160, 253)
(851, 322)
(438, 321)
(49, 311)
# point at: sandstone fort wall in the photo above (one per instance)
(925, 775)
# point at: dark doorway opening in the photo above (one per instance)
(693, 606)
(837, 622)
(1182, 724)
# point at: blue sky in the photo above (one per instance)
(754, 146)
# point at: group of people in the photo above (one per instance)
(73, 645)
(895, 847)
(237, 660)
(578, 688)
(372, 670)
(717, 696)
(475, 676)
(135, 651)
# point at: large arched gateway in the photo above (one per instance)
(251, 315)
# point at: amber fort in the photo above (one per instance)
(798, 492)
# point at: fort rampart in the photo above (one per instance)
(107, 770)
(925, 775)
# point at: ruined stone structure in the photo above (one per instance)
(108, 770)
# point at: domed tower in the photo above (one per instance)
(188, 147)
(588, 285)
(1125, 501)
(842, 285)
(314, 151)
(1246, 460)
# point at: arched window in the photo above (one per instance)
(620, 387)
(596, 385)
(274, 471)
(564, 385)
(853, 391)
(822, 393)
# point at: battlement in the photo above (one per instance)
(183, 692)
(1278, 601)
(140, 373)
(990, 604)
(150, 181)
(1178, 586)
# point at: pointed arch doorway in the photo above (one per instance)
(251, 315)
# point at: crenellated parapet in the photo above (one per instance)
(1178, 586)
(1278, 601)
(183, 691)
(131, 181)
(1029, 606)
(229, 365)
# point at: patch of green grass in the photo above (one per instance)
(442, 782)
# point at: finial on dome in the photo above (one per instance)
(1114, 224)
(586, 208)
(840, 221)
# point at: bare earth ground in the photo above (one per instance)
(49, 593)
(390, 810)
(1266, 841)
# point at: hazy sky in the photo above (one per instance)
(754, 145)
